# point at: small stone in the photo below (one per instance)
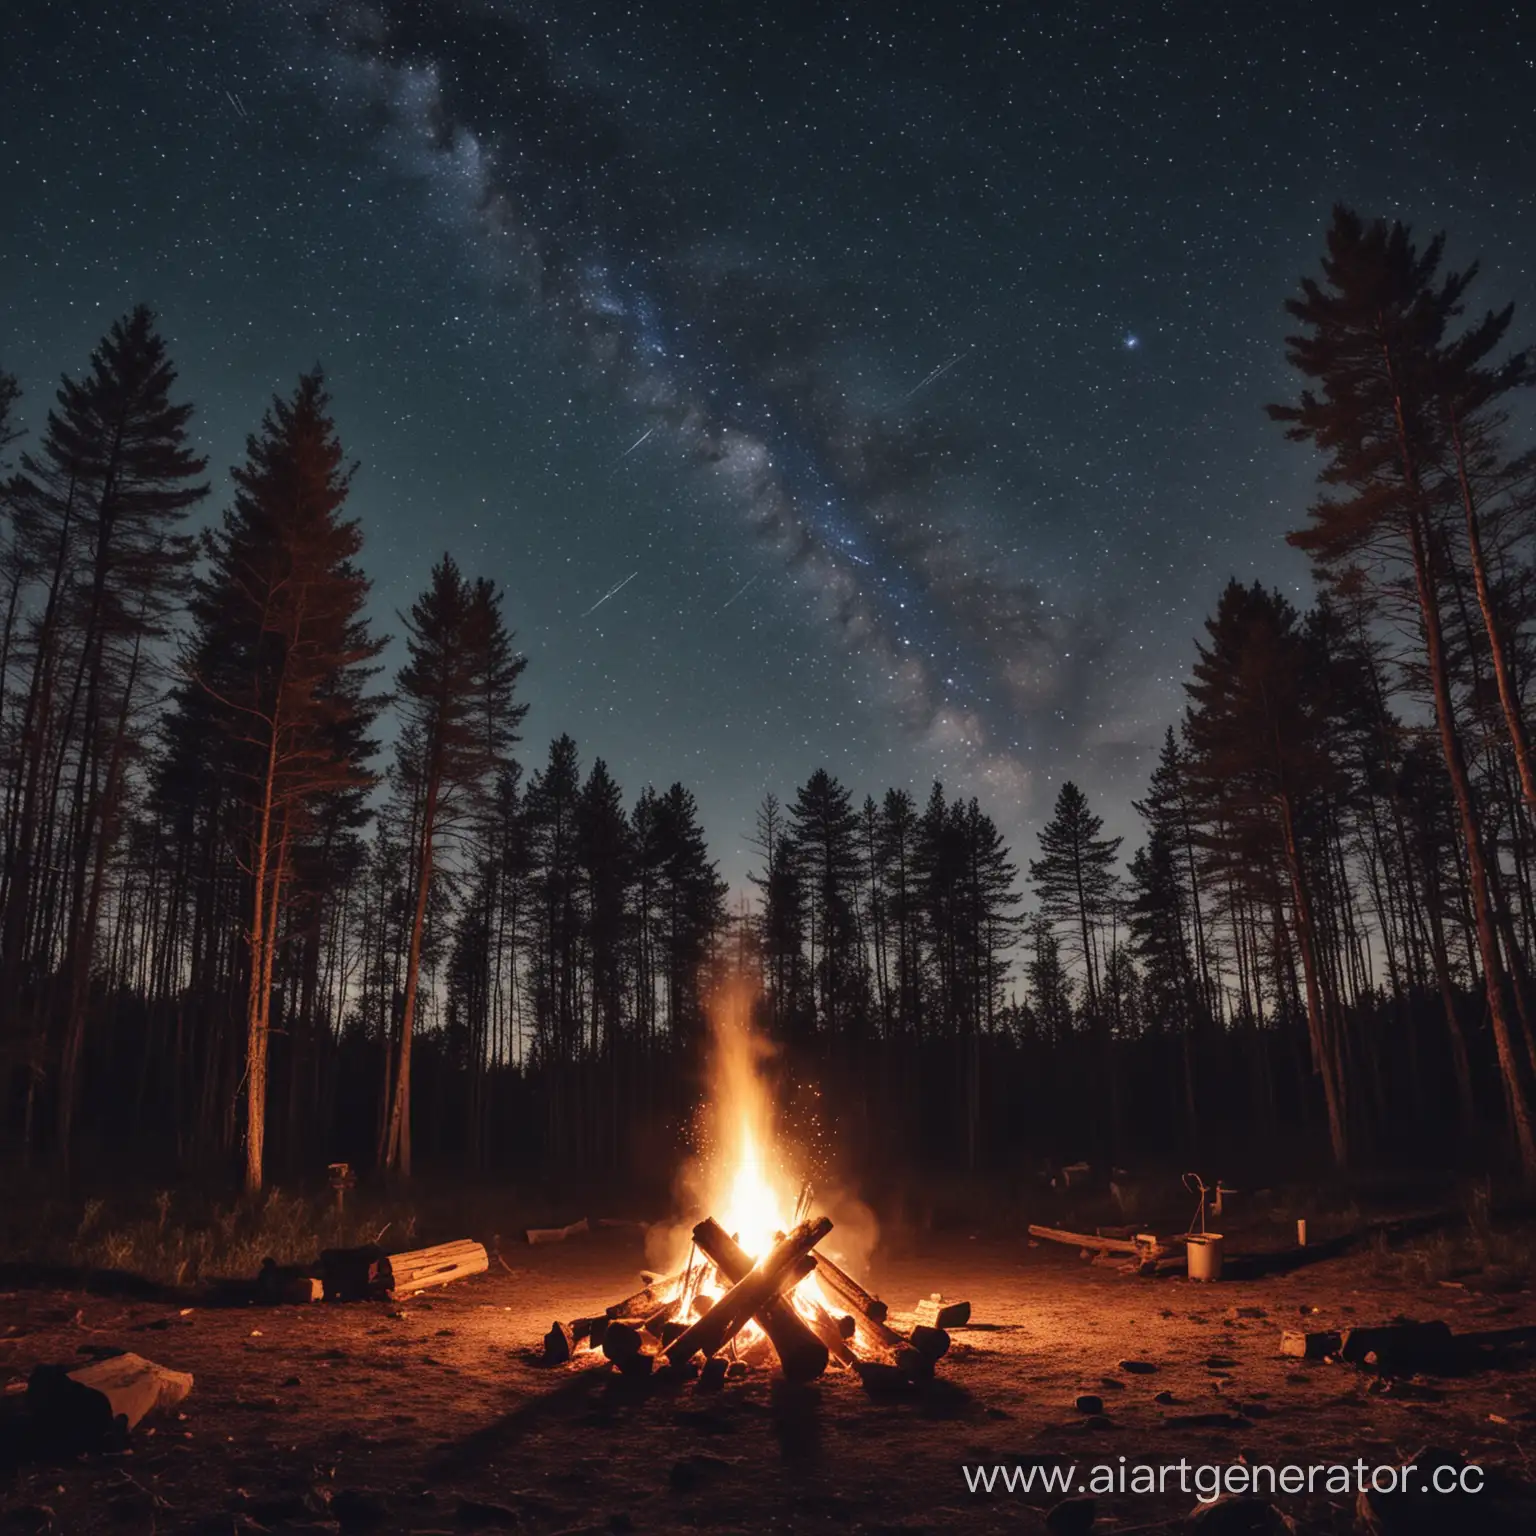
(1138, 1367)
(1088, 1403)
(1165, 1397)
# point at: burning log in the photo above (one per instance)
(801, 1353)
(84, 1406)
(849, 1291)
(644, 1301)
(404, 1274)
(725, 1319)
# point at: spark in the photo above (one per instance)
(933, 374)
(751, 582)
(637, 442)
(611, 592)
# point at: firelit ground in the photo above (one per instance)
(435, 1415)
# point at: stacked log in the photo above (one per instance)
(406, 1274)
(729, 1314)
(801, 1353)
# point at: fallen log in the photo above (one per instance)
(404, 1274)
(1090, 1240)
(350, 1274)
(287, 1284)
(849, 1291)
(802, 1354)
(775, 1270)
(86, 1405)
(537, 1236)
(1400, 1348)
(1309, 1346)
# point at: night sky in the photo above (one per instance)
(876, 386)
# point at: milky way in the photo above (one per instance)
(723, 361)
(877, 386)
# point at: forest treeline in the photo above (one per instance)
(238, 933)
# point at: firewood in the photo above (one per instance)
(1309, 1346)
(404, 1274)
(656, 1321)
(712, 1378)
(930, 1343)
(802, 1354)
(621, 1343)
(537, 1236)
(776, 1269)
(86, 1405)
(351, 1274)
(559, 1343)
(846, 1325)
(1400, 1348)
(1089, 1240)
(645, 1299)
(849, 1291)
(938, 1313)
(829, 1330)
(286, 1284)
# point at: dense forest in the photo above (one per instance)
(238, 933)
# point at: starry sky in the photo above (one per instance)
(875, 386)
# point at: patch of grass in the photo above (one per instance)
(185, 1239)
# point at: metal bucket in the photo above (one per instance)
(1204, 1256)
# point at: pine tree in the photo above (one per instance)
(1374, 329)
(1074, 878)
(826, 849)
(1260, 749)
(459, 723)
(279, 662)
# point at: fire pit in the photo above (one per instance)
(756, 1288)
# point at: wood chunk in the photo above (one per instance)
(86, 1405)
(621, 1343)
(930, 1343)
(846, 1325)
(1309, 1346)
(405, 1274)
(351, 1274)
(849, 1291)
(287, 1284)
(775, 1270)
(559, 1343)
(712, 1377)
(935, 1312)
(802, 1353)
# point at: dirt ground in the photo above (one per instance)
(435, 1415)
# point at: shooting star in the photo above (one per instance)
(611, 592)
(751, 582)
(237, 104)
(637, 442)
(936, 373)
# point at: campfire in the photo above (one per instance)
(753, 1283)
